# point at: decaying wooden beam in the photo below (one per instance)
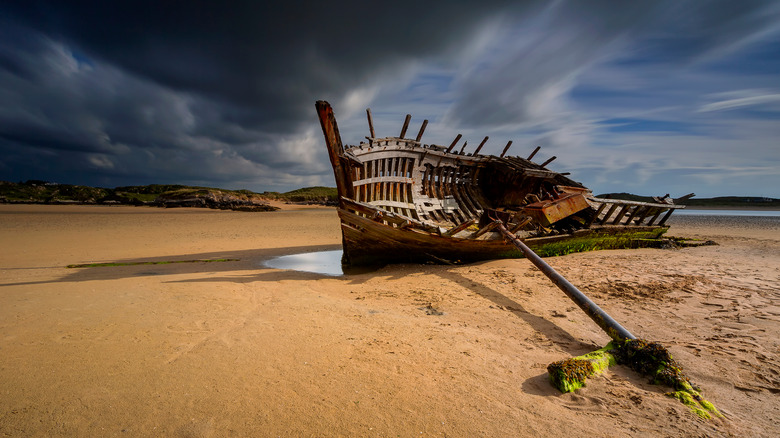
(521, 224)
(608, 214)
(596, 216)
(533, 153)
(626, 202)
(390, 217)
(485, 229)
(370, 123)
(406, 126)
(620, 214)
(422, 129)
(663, 221)
(458, 228)
(549, 160)
(335, 148)
(479, 148)
(454, 142)
(506, 148)
(463, 148)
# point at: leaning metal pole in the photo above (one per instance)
(600, 317)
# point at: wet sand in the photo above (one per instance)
(238, 349)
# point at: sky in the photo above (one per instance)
(647, 97)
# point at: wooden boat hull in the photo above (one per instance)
(367, 242)
(403, 201)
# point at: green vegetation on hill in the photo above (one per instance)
(42, 192)
(312, 194)
(745, 202)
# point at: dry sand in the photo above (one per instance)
(238, 349)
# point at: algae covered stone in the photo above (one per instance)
(570, 374)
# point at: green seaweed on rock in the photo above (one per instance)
(570, 374)
(648, 358)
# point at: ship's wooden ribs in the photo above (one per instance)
(520, 224)
(663, 221)
(620, 214)
(424, 182)
(351, 157)
(595, 216)
(609, 214)
(506, 148)
(370, 123)
(479, 148)
(406, 125)
(645, 212)
(476, 194)
(457, 180)
(485, 229)
(468, 178)
(387, 205)
(422, 129)
(533, 153)
(393, 218)
(457, 229)
(624, 202)
(634, 213)
(652, 219)
(454, 142)
(440, 181)
(463, 148)
(549, 160)
(396, 179)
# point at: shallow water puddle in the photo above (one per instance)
(323, 262)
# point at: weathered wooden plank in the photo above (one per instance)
(620, 214)
(370, 123)
(533, 153)
(397, 179)
(406, 125)
(549, 160)
(454, 142)
(506, 148)
(608, 214)
(422, 129)
(626, 202)
(458, 228)
(595, 216)
(484, 229)
(479, 148)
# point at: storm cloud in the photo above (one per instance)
(649, 96)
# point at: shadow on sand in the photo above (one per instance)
(252, 262)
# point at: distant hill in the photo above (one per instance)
(176, 195)
(162, 195)
(744, 202)
(309, 195)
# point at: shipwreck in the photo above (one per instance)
(404, 201)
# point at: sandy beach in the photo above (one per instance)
(234, 348)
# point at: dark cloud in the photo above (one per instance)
(124, 92)
(220, 83)
(269, 57)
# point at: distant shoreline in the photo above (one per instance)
(731, 207)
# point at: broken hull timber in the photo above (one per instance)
(402, 201)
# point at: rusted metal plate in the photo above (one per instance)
(549, 212)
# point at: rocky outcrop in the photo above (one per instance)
(213, 199)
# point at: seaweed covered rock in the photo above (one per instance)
(648, 358)
(570, 374)
(652, 359)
